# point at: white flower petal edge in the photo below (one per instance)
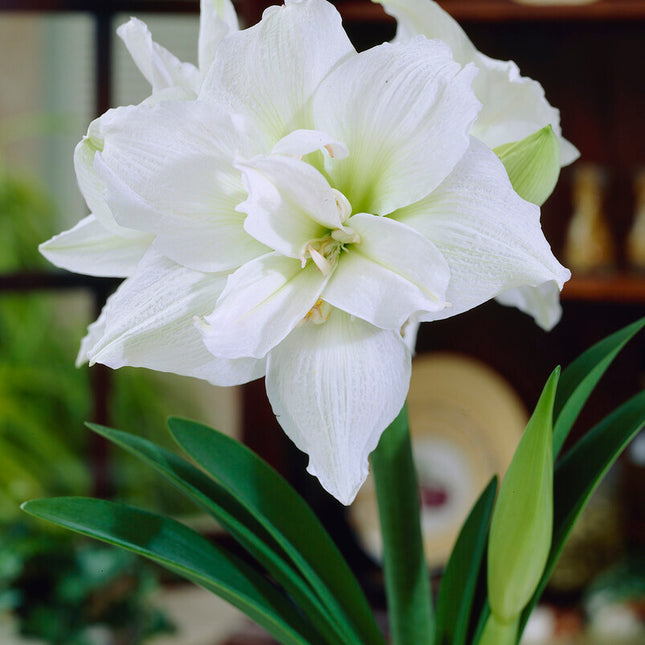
(159, 67)
(168, 169)
(390, 275)
(541, 302)
(91, 249)
(270, 71)
(217, 18)
(334, 388)
(289, 204)
(97, 245)
(150, 322)
(404, 112)
(490, 237)
(301, 142)
(513, 106)
(262, 302)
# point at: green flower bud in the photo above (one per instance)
(533, 164)
(522, 524)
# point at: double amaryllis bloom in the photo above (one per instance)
(290, 209)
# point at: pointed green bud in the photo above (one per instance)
(522, 524)
(532, 164)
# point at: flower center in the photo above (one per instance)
(324, 251)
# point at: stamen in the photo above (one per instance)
(319, 313)
(320, 260)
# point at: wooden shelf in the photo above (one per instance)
(507, 11)
(624, 288)
(103, 6)
(365, 10)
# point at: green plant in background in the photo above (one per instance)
(64, 591)
(41, 399)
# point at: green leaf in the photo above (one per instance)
(580, 471)
(183, 551)
(234, 517)
(580, 378)
(522, 523)
(459, 582)
(407, 581)
(285, 516)
(532, 164)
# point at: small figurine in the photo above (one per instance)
(635, 246)
(589, 247)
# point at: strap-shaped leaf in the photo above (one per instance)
(580, 378)
(580, 471)
(407, 581)
(183, 551)
(233, 516)
(286, 517)
(464, 568)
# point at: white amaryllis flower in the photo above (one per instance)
(513, 107)
(303, 209)
(98, 245)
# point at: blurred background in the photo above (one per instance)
(475, 376)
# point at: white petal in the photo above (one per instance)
(91, 185)
(301, 142)
(334, 388)
(91, 249)
(289, 204)
(262, 302)
(391, 274)
(541, 302)
(404, 111)
(149, 322)
(168, 169)
(217, 18)
(427, 18)
(513, 106)
(270, 71)
(160, 68)
(491, 238)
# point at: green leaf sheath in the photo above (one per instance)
(235, 518)
(286, 517)
(579, 379)
(185, 552)
(407, 582)
(580, 471)
(459, 582)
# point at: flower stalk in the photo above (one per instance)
(407, 581)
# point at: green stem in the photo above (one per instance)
(499, 632)
(407, 581)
